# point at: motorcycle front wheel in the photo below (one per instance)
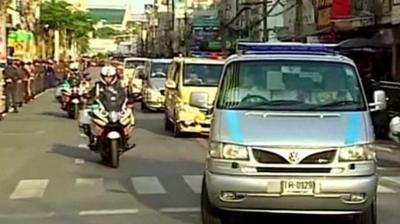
(114, 153)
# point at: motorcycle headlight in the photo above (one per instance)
(357, 153)
(114, 116)
(228, 151)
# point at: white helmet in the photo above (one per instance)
(74, 66)
(108, 71)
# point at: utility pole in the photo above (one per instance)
(298, 29)
(265, 22)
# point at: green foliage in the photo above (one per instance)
(74, 24)
(106, 32)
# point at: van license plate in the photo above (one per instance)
(298, 187)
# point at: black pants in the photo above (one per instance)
(11, 96)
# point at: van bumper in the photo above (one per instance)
(264, 194)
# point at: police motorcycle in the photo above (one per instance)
(74, 97)
(108, 122)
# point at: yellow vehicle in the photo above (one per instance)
(154, 84)
(191, 87)
(133, 68)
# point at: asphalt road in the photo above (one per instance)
(48, 176)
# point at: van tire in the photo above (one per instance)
(144, 108)
(167, 122)
(177, 131)
(209, 213)
(368, 217)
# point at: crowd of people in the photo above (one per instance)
(25, 79)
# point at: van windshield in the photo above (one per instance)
(160, 67)
(134, 63)
(291, 86)
(202, 74)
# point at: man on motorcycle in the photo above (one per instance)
(109, 82)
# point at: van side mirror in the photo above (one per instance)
(169, 84)
(379, 103)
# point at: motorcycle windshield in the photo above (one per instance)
(112, 101)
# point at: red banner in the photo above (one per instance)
(341, 9)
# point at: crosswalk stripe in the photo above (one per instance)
(194, 182)
(89, 181)
(147, 185)
(30, 189)
(109, 212)
(395, 180)
(179, 210)
(385, 190)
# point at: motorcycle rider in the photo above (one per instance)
(109, 81)
(73, 77)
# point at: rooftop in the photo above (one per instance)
(111, 16)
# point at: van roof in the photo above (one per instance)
(295, 57)
(193, 60)
(161, 60)
(136, 59)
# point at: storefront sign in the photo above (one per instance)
(324, 8)
(396, 12)
(3, 37)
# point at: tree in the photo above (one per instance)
(74, 25)
(106, 32)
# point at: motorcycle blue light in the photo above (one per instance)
(288, 48)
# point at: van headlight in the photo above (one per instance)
(228, 151)
(357, 153)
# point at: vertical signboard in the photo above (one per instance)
(3, 37)
(396, 12)
(324, 8)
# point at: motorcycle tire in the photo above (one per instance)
(76, 112)
(114, 154)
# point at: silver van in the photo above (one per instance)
(291, 133)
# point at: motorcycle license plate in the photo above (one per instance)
(298, 187)
(75, 101)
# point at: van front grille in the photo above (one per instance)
(292, 170)
(320, 158)
(268, 157)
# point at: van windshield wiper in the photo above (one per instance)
(336, 104)
(266, 103)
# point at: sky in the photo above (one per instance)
(136, 5)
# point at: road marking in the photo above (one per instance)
(179, 210)
(147, 185)
(109, 212)
(30, 189)
(194, 182)
(395, 180)
(83, 146)
(389, 168)
(89, 181)
(27, 216)
(385, 190)
(384, 149)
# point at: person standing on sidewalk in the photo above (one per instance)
(11, 77)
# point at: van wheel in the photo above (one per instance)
(368, 217)
(167, 122)
(177, 131)
(143, 107)
(209, 213)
